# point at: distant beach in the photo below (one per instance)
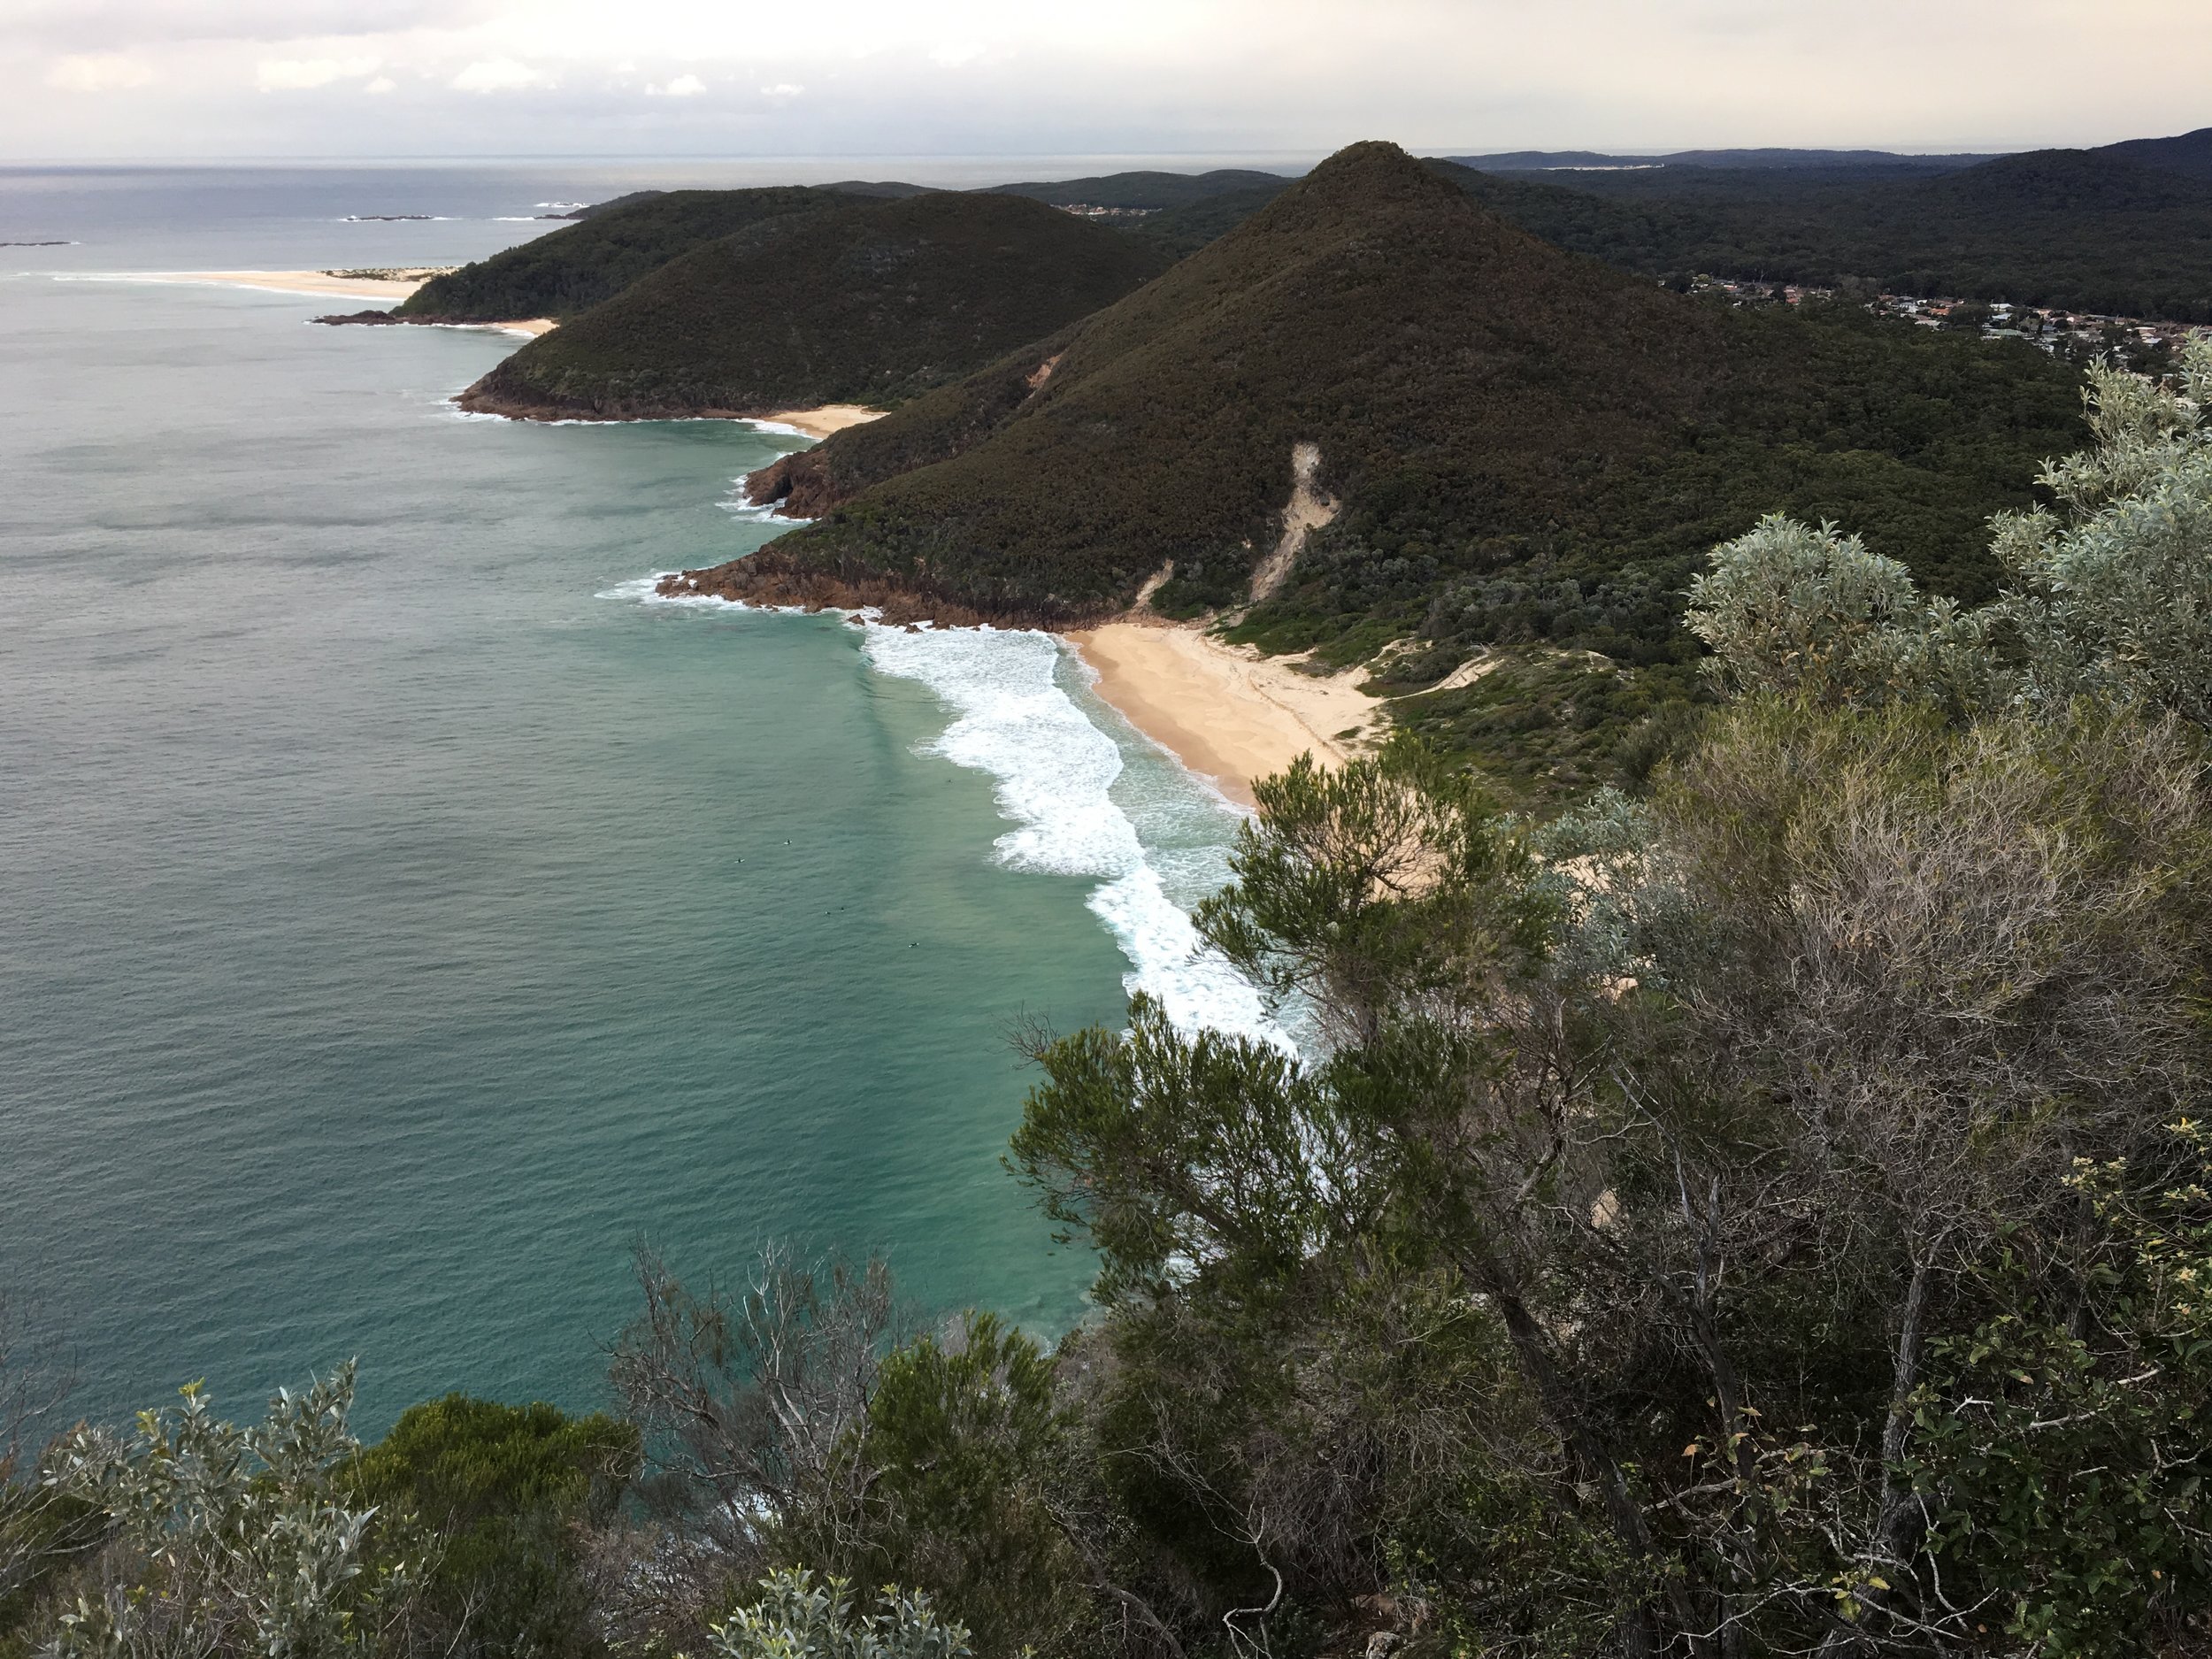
(321, 283)
(326, 285)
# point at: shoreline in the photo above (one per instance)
(322, 285)
(816, 424)
(820, 422)
(1228, 714)
(319, 283)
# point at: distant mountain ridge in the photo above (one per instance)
(1820, 160)
(2105, 235)
(2188, 152)
(1142, 189)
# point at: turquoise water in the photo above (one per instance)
(400, 917)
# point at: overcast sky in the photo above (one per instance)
(87, 79)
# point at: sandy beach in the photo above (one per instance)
(820, 423)
(1225, 711)
(323, 285)
(317, 282)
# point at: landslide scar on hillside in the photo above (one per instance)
(1307, 511)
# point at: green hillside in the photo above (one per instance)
(872, 302)
(1145, 189)
(2089, 230)
(1527, 444)
(575, 267)
(2126, 228)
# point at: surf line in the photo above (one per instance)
(1053, 770)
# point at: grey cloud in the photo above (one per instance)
(1439, 74)
(119, 25)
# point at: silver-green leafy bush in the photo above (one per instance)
(2116, 595)
(229, 1540)
(799, 1616)
(1809, 612)
(2112, 594)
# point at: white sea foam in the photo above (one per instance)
(1055, 771)
(645, 590)
(736, 504)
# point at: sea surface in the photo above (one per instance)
(403, 915)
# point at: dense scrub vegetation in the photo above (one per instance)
(1768, 1215)
(576, 267)
(874, 301)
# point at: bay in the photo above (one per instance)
(400, 919)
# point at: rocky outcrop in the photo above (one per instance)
(767, 578)
(797, 486)
(518, 400)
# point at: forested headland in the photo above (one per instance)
(871, 300)
(1528, 452)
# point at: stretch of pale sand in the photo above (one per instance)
(1225, 711)
(820, 423)
(317, 282)
(325, 285)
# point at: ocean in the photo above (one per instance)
(404, 914)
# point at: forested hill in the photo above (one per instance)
(1181, 213)
(1146, 190)
(2185, 152)
(872, 301)
(1522, 443)
(1870, 162)
(2121, 230)
(571, 269)
(2125, 229)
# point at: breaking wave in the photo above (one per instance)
(1054, 773)
(1154, 844)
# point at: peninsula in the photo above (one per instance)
(867, 302)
